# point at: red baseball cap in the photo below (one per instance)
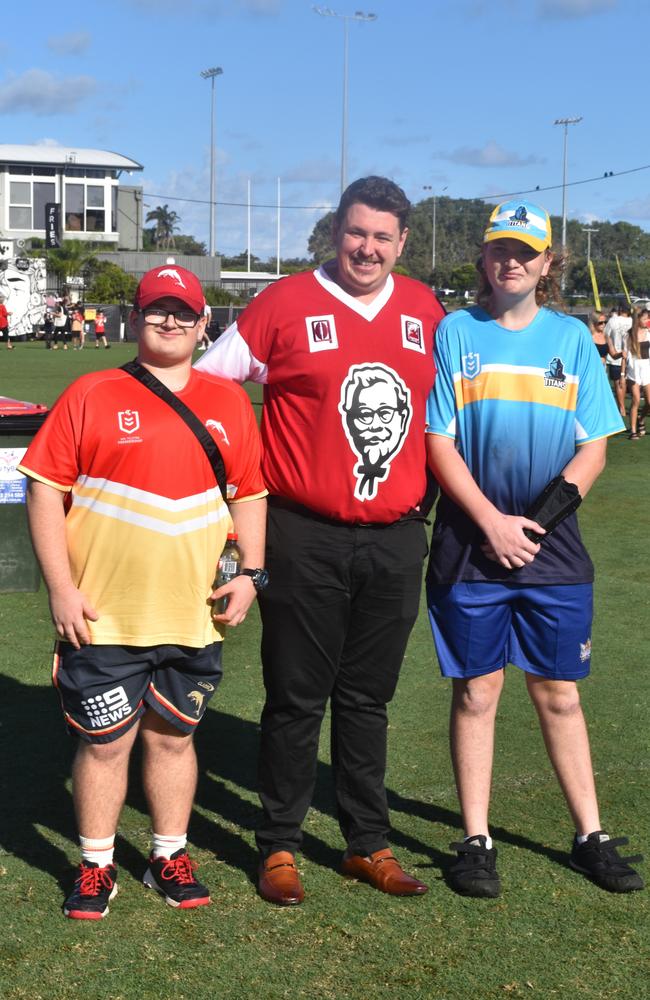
(170, 280)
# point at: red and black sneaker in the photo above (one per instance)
(174, 879)
(92, 892)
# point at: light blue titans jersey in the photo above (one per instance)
(517, 403)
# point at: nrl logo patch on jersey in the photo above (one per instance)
(321, 333)
(412, 334)
(470, 365)
(554, 377)
(128, 421)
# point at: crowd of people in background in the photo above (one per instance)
(68, 324)
(622, 340)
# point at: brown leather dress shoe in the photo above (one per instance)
(279, 881)
(384, 872)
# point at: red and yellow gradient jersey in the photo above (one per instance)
(146, 522)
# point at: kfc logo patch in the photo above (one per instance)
(412, 335)
(128, 421)
(321, 333)
(376, 411)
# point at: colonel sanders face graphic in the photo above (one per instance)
(376, 410)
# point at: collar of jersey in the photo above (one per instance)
(368, 310)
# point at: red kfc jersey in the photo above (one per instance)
(346, 385)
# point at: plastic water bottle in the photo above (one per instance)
(228, 568)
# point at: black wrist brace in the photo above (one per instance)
(557, 500)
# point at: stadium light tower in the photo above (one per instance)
(588, 230)
(428, 187)
(358, 15)
(566, 122)
(209, 74)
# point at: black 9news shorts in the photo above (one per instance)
(104, 690)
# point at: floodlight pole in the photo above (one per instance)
(428, 187)
(589, 231)
(209, 74)
(565, 122)
(358, 15)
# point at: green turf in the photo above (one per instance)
(551, 934)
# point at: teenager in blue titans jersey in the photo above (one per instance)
(517, 424)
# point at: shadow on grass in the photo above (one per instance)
(33, 785)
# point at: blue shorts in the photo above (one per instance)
(104, 690)
(481, 627)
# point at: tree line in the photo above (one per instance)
(460, 223)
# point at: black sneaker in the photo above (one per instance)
(174, 879)
(475, 873)
(92, 892)
(599, 860)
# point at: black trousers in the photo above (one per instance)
(336, 617)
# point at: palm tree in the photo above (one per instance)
(73, 258)
(166, 225)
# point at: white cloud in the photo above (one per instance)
(574, 8)
(489, 155)
(44, 94)
(72, 43)
(636, 208)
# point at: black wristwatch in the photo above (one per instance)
(260, 578)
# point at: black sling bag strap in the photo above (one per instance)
(206, 441)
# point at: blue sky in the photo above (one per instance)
(457, 94)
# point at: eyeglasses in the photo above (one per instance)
(365, 415)
(601, 322)
(182, 317)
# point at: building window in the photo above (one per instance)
(43, 192)
(27, 202)
(74, 208)
(95, 209)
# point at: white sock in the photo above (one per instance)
(582, 838)
(98, 851)
(488, 840)
(164, 847)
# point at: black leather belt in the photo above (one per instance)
(281, 503)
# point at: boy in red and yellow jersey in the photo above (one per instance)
(128, 523)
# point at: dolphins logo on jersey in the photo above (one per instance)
(219, 428)
(376, 410)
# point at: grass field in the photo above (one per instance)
(551, 934)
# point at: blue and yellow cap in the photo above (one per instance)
(520, 220)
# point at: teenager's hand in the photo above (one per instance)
(506, 542)
(70, 611)
(241, 593)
